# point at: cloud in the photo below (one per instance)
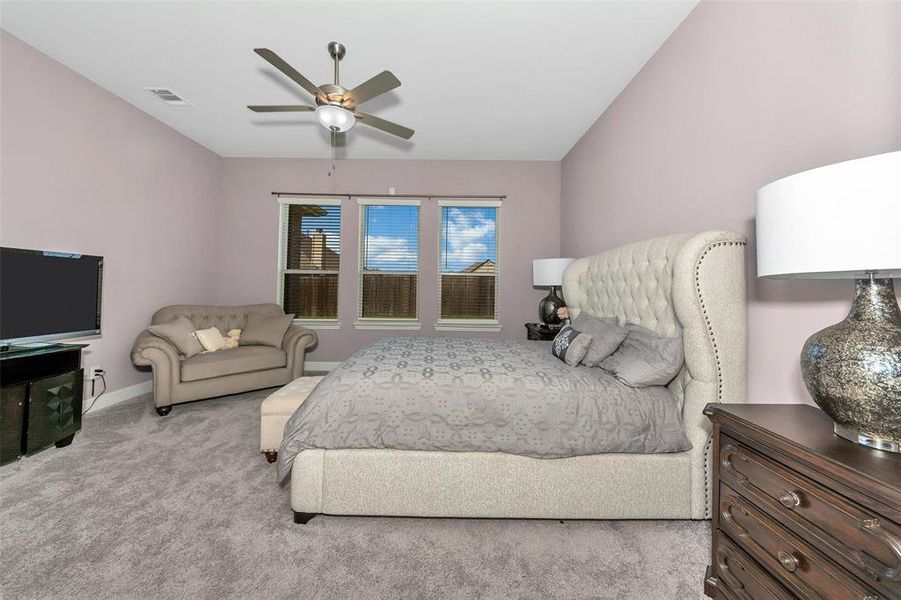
(390, 253)
(469, 233)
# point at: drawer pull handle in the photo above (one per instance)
(788, 561)
(872, 567)
(790, 500)
(727, 453)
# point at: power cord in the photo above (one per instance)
(102, 375)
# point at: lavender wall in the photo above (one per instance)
(84, 171)
(529, 227)
(741, 94)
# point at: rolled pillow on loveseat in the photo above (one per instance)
(177, 377)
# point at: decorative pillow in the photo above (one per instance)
(179, 333)
(265, 330)
(570, 345)
(606, 335)
(211, 339)
(645, 358)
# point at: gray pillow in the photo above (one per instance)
(265, 330)
(571, 345)
(179, 333)
(645, 358)
(606, 335)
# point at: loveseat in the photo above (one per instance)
(178, 379)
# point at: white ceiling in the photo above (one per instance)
(480, 80)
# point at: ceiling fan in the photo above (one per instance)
(336, 106)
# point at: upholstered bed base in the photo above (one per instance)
(490, 485)
(693, 285)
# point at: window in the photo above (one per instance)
(309, 258)
(389, 262)
(468, 265)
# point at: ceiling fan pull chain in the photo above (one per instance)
(332, 145)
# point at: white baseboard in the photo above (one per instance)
(109, 399)
(313, 365)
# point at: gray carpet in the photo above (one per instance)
(185, 507)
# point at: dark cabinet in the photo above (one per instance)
(540, 331)
(40, 399)
(12, 421)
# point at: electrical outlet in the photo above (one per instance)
(93, 374)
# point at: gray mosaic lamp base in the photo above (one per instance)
(548, 307)
(853, 368)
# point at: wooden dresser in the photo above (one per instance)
(799, 512)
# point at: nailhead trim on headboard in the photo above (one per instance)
(716, 354)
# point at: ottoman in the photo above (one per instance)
(277, 409)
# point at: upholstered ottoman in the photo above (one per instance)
(277, 409)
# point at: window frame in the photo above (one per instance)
(471, 324)
(376, 323)
(285, 203)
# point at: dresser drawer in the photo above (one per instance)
(865, 543)
(802, 568)
(740, 577)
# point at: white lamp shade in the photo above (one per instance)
(334, 118)
(834, 222)
(549, 271)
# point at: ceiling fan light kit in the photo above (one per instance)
(336, 106)
(334, 118)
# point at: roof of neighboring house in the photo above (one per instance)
(484, 266)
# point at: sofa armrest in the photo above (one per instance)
(162, 357)
(297, 340)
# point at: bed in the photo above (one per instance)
(691, 285)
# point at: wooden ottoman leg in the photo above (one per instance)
(302, 518)
(271, 455)
(163, 410)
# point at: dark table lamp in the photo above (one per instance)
(843, 221)
(548, 272)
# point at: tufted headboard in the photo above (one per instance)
(691, 285)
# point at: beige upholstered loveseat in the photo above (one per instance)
(177, 379)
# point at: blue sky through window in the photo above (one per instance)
(468, 237)
(392, 238)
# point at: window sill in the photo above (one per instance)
(388, 324)
(317, 323)
(467, 325)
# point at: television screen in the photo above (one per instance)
(48, 295)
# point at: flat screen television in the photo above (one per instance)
(48, 295)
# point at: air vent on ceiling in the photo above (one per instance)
(168, 96)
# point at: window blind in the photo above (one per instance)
(309, 257)
(468, 263)
(389, 259)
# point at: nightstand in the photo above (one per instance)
(540, 331)
(799, 512)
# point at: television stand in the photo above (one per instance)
(27, 347)
(40, 398)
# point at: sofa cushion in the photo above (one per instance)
(211, 339)
(265, 330)
(243, 359)
(180, 333)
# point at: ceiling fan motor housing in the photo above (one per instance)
(337, 95)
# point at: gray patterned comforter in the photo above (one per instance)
(479, 395)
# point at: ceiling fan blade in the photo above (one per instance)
(387, 126)
(278, 62)
(376, 86)
(281, 108)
